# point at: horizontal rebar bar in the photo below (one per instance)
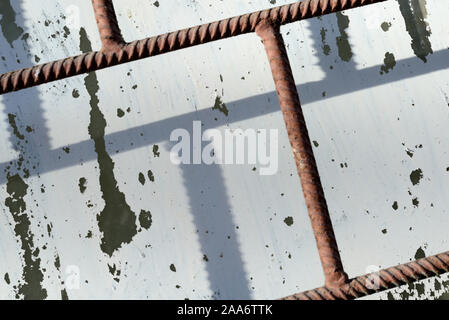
(380, 281)
(172, 41)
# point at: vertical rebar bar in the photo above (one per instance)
(110, 34)
(298, 135)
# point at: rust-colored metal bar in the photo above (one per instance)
(172, 41)
(380, 281)
(110, 34)
(298, 135)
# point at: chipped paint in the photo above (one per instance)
(414, 13)
(344, 48)
(116, 221)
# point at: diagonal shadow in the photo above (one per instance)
(239, 110)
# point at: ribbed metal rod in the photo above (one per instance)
(298, 135)
(110, 34)
(380, 281)
(185, 38)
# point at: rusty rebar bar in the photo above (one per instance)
(298, 135)
(110, 34)
(380, 281)
(172, 41)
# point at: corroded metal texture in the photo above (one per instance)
(110, 34)
(180, 39)
(302, 151)
(382, 280)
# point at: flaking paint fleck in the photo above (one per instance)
(141, 178)
(156, 152)
(389, 63)
(385, 26)
(82, 184)
(150, 175)
(220, 106)
(288, 221)
(416, 176)
(145, 219)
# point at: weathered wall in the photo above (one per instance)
(87, 186)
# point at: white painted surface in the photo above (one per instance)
(363, 120)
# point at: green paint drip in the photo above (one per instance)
(116, 221)
(11, 31)
(414, 13)
(344, 48)
(31, 288)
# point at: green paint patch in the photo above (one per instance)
(145, 219)
(415, 14)
(156, 152)
(415, 202)
(120, 113)
(141, 178)
(172, 267)
(344, 48)
(389, 63)
(75, 93)
(66, 150)
(420, 254)
(151, 175)
(385, 26)
(11, 31)
(31, 285)
(384, 231)
(395, 205)
(416, 176)
(82, 184)
(220, 106)
(288, 221)
(316, 144)
(12, 122)
(116, 221)
(156, 4)
(6, 277)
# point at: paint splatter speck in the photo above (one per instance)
(288, 221)
(145, 219)
(416, 176)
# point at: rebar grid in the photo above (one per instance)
(380, 281)
(266, 23)
(140, 49)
